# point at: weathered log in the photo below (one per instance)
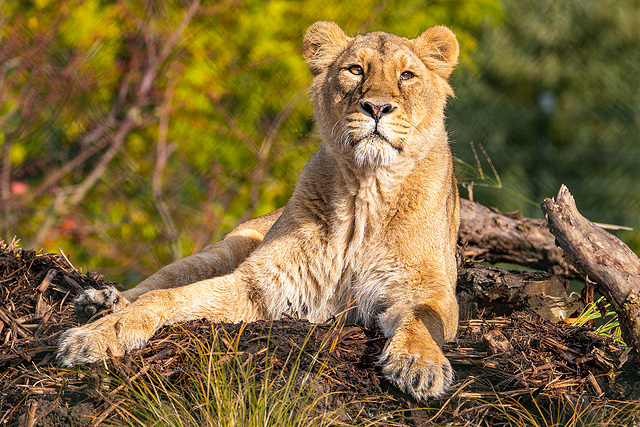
(494, 291)
(491, 236)
(601, 257)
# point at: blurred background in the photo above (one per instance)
(133, 133)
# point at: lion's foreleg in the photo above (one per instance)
(220, 299)
(215, 260)
(413, 358)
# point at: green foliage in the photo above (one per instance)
(133, 133)
(609, 324)
(137, 132)
(553, 100)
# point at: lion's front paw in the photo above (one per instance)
(114, 334)
(94, 301)
(421, 370)
(87, 344)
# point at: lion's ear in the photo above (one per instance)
(438, 48)
(322, 44)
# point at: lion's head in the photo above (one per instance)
(378, 96)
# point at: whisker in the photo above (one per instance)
(333, 129)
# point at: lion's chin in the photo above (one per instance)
(375, 151)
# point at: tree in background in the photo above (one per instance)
(554, 97)
(136, 132)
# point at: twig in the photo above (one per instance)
(162, 153)
(67, 259)
(553, 343)
(47, 280)
(74, 285)
(462, 386)
(11, 322)
(30, 421)
(97, 421)
(594, 383)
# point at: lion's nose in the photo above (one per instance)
(377, 110)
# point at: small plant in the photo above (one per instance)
(563, 411)
(473, 175)
(601, 310)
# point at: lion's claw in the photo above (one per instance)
(93, 301)
(422, 377)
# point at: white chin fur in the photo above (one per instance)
(374, 152)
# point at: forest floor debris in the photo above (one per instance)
(510, 370)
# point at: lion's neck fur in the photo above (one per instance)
(360, 210)
(356, 202)
(360, 197)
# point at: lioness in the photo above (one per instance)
(371, 226)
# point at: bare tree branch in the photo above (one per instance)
(126, 126)
(152, 71)
(262, 156)
(132, 120)
(92, 142)
(162, 154)
(601, 257)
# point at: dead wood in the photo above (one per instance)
(490, 291)
(497, 342)
(600, 257)
(491, 236)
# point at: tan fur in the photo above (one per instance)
(371, 225)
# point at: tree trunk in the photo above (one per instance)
(491, 236)
(601, 257)
(488, 291)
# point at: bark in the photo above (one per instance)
(488, 291)
(601, 257)
(491, 236)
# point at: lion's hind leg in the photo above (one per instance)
(214, 260)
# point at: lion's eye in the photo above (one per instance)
(407, 75)
(356, 69)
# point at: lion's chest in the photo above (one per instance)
(363, 264)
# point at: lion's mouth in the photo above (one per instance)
(375, 137)
(373, 148)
